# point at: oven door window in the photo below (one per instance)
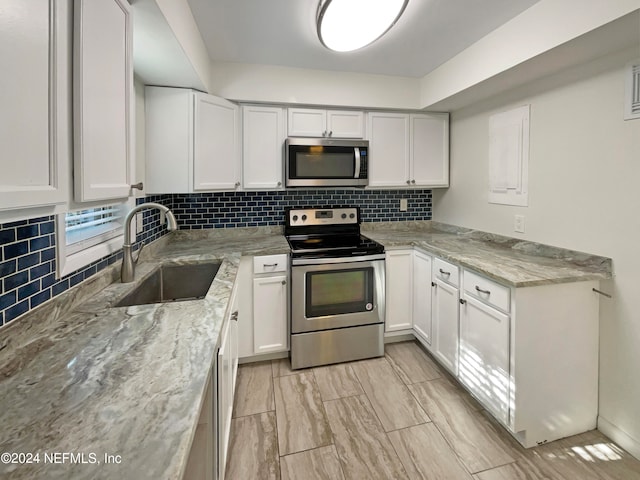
(321, 162)
(339, 291)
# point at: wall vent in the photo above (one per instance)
(632, 99)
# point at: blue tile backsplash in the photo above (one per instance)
(28, 247)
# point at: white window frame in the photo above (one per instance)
(70, 262)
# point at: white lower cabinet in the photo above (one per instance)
(444, 316)
(422, 296)
(264, 305)
(399, 291)
(483, 365)
(269, 314)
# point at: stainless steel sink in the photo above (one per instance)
(173, 283)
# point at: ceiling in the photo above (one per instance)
(282, 32)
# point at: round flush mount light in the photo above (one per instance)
(347, 25)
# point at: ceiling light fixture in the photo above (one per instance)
(347, 25)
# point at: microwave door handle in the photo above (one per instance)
(357, 154)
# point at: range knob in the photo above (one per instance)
(352, 215)
(344, 215)
(304, 217)
(294, 218)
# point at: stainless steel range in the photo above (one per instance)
(337, 287)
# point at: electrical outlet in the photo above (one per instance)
(139, 226)
(403, 205)
(518, 224)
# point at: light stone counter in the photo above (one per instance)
(510, 261)
(80, 377)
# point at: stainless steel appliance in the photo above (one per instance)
(337, 287)
(326, 162)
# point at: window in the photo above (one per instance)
(87, 235)
(86, 228)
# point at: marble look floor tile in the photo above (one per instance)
(477, 442)
(364, 449)
(318, 464)
(254, 390)
(393, 403)
(514, 471)
(425, 454)
(282, 367)
(302, 423)
(411, 363)
(253, 448)
(337, 381)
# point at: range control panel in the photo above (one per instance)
(323, 216)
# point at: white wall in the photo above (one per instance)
(535, 31)
(274, 84)
(140, 139)
(584, 177)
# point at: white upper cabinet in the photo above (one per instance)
(35, 113)
(192, 142)
(216, 160)
(103, 85)
(429, 150)
(388, 149)
(263, 136)
(312, 122)
(408, 149)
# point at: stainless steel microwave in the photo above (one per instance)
(326, 162)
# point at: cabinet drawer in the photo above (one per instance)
(487, 291)
(445, 271)
(270, 263)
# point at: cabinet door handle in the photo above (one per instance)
(408, 182)
(478, 289)
(443, 272)
(462, 301)
(324, 134)
(279, 184)
(413, 182)
(269, 264)
(234, 316)
(433, 284)
(237, 184)
(330, 132)
(284, 282)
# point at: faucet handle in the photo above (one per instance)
(139, 252)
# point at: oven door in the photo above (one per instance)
(337, 295)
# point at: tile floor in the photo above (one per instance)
(396, 417)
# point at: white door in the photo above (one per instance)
(270, 314)
(216, 162)
(35, 115)
(430, 150)
(345, 124)
(422, 296)
(399, 305)
(263, 136)
(388, 149)
(307, 122)
(484, 355)
(445, 324)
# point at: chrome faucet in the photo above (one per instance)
(128, 264)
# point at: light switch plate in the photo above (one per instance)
(403, 205)
(518, 224)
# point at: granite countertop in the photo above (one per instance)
(78, 376)
(510, 261)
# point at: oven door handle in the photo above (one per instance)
(324, 261)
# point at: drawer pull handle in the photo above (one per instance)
(482, 291)
(269, 264)
(443, 272)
